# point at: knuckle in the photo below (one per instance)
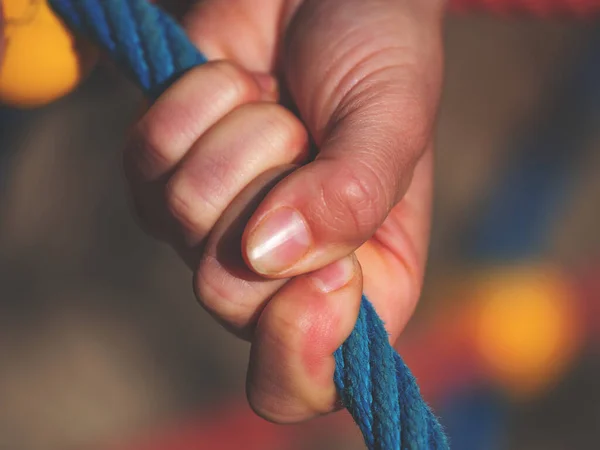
(280, 405)
(285, 130)
(279, 129)
(235, 82)
(175, 121)
(268, 408)
(187, 205)
(356, 197)
(210, 290)
(146, 152)
(219, 296)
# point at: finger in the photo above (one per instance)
(371, 113)
(164, 135)
(290, 375)
(184, 112)
(393, 260)
(290, 372)
(247, 142)
(223, 283)
(301, 323)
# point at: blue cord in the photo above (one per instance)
(148, 44)
(374, 383)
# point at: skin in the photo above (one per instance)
(317, 109)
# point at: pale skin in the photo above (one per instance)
(283, 238)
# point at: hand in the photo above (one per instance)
(277, 237)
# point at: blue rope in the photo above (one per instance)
(373, 382)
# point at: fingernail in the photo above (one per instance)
(334, 276)
(278, 242)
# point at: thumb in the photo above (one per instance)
(365, 77)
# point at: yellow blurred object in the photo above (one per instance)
(42, 61)
(526, 327)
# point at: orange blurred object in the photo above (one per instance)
(527, 326)
(42, 60)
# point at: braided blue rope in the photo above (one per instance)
(374, 383)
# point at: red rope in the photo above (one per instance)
(537, 8)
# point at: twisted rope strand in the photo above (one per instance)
(145, 42)
(374, 383)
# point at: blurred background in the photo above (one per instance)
(102, 345)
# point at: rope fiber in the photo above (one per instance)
(375, 385)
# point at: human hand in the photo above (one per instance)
(277, 237)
